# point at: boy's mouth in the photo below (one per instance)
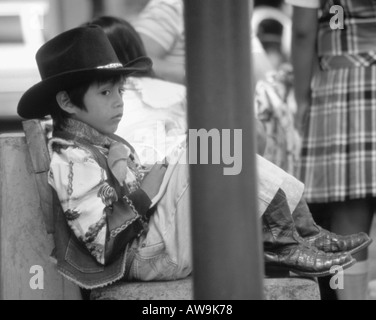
(117, 117)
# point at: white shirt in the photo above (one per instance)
(154, 117)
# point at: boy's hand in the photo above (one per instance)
(153, 180)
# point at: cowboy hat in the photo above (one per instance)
(71, 58)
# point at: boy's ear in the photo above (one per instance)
(65, 103)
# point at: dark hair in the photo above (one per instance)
(124, 39)
(76, 96)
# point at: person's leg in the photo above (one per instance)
(350, 217)
(321, 215)
(284, 249)
(165, 252)
(272, 178)
(372, 290)
(85, 294)
(174, 219)
(323, 239)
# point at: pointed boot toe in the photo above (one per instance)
(306, 261)
(330, 242)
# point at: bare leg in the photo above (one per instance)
(351, 217)
(321, 215)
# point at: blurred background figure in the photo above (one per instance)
(21, 34)
(271, 23)
(275, 107)
(275, 103)
(161, 27)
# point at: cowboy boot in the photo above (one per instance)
(284, 249)
(324, 240)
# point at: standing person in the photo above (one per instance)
(337, 113)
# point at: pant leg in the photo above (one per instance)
(272, 178)
(321, 215)
(165, 253)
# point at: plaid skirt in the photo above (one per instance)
(338, 158)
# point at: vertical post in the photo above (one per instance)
(226, 232)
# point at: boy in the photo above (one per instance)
(116, 223)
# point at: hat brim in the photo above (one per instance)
(36, 101)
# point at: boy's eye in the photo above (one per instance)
(105, 92)
(122, 90)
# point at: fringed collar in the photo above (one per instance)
(83, 131)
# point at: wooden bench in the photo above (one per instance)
(26, 228)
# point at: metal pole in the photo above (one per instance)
(226, 232)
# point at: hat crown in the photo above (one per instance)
(77, 49)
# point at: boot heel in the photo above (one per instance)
(276, 272)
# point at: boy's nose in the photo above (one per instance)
(119, 103)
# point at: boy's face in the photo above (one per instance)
(104, 106)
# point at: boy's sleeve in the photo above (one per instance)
(99, 218)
